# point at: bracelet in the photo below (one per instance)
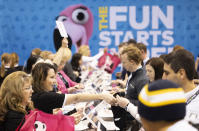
(126, 106)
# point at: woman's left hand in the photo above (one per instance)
(78, 116)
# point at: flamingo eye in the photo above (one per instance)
(80, 16)
(61, 18)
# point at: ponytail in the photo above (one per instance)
(2, 69)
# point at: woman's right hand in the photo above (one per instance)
(115, 82)
(109, 98)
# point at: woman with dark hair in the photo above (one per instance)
(44, 78)
(15, 100)
(154, 68)
(30, 63)
(76, 62)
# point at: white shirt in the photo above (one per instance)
(93, 60)
(145, 60)
(192, 109)
(133, 110)
(181, 125)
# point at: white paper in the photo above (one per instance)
(62, 29)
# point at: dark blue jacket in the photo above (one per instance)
(135, 84)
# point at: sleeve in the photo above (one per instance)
(1, 126)
(72, 83)
(69, 71)
(96, 57)
(49, 101)
(133, 110)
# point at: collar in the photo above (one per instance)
(133, 73)
(191, 93)
(16, 65)
(139, 67)
(7, 66)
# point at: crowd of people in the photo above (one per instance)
(151, 94)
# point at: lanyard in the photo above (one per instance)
(192, 97)
(63, 79)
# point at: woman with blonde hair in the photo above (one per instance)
(87, 59)
(84, 50)
(65, 84)
(15, 100)
(36, 51)
(46, 55)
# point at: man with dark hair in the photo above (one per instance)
(143, 49)
(132, 41)
(162, 107)
(179, 68)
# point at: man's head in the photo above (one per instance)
(132, 41)
(143, 49)
(131, 58)
(177, 47)
(179, 66)
(121, 47)
(161, 101)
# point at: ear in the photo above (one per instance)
(182, 73)
(132, 62)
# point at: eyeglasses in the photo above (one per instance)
(28, 88)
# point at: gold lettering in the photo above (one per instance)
(103, 14)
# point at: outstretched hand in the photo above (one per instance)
(109, 98)
(122, 102)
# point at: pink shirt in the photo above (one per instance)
(61, 86)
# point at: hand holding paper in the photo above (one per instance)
(62, 29)
(64, 43)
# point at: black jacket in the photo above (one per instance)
(122, 118)
(12, 120)
(68, 70)
(135, 84)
